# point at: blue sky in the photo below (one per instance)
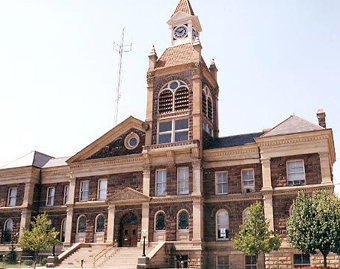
(58, 71)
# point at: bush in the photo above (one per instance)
(28, 262)
(43, 261)
(11, 257)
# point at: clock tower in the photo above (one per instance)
(182, 102)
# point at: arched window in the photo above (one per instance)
(7, 233)
(81, 224)
(207, 103)
(160, 221)
(204, 102)
(174, 96)
(100, 222)
(210, 109)
(222, 224)
(183, 220)
(63, 230)
(245, 214)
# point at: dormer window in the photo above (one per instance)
(174, 97)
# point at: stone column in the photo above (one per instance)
(197, 178)
(266, 174)
(197, 106)
(69, 222)
(28, 194)
(111, 224)
(268, 209)
(197, 221)
(146, 181)
(326, 171)
(72, 190)
(25, 219)
(145, 221)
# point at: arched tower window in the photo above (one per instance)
(63, 230)
(81, 228)
(160, 221)
(174, 96)
(100, 222)
(183, 220)
(210, 108)
(7, 233)
(222, 224)
(207, 103)
(204, 102)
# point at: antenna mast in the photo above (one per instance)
(120, 48)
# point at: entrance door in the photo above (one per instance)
(129, 230)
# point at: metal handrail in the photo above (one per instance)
(101, 254)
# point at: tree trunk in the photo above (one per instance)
(324, 259)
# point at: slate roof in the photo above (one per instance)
(294, 124)
(234, 140)
(177, 55)
(184, 6)
(34, 158)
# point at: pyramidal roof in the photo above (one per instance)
(34, 158)
(294, 124)
(184, 6)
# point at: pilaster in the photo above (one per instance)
(268, 209)
(146, 181)
(69, 221)
(197, 178)
(326, 172)
(25, 219)
(197, 102)
(145, 221)
(197, 221)
(111, 224)
(266, 174)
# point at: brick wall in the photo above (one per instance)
(234, 178)
(312, 169)
(281, 206)
(56, 218)
(170, 211)
(16, 217)
(115, 183)
(59, 193)
(4, 194)
(171, 179)
(235, 210)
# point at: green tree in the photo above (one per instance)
(314, 223)
(41, 236)
(254, 237)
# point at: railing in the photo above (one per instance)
(102, 254)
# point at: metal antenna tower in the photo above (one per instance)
(120, 48)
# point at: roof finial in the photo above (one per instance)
(184, 6)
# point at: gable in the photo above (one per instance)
(292, 125)
(118, 146)
(110, 144)
(128, 196)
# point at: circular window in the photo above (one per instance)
(131, 141)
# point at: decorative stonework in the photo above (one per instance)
(128, 196)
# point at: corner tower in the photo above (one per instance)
(182, 102)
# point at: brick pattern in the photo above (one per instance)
(117, 147)
(281, 206)
(57, 218)
(16, 217)
(234, 178)
(59, 193)
(4, 194)
(171, 179)
(171, 211)
(312, 169)
(115, 184)
(235, 210)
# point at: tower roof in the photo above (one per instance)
(184, 6)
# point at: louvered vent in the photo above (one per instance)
(181, 99)
(210, 109)
(204, 103)
(165, 101)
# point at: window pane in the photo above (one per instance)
(165, 138)
(183, 180)
(160, 221)
(181, 136)
(183, 220)
(82, 225)
(100, 224)
(181, 124)
(165, 126)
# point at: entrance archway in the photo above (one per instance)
(128, 230)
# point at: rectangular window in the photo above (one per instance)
(66, 191)
(102, 189)
(301, 260)
(84, 191)
(248, 180)
(50, 196)
(296, 173)
(222, 262)
(173, 131)
(12, 196)
(221, 179)
(183, 180)
(160, 182)
(250, 262)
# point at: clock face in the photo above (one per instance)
(180, 31)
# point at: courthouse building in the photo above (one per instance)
(171, 177)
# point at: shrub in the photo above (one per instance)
(11, 257)
(43, 261)
(28, 262)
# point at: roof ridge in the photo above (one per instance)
(18, 159)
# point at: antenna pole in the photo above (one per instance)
(120, 48)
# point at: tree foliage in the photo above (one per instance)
(41, 236)
(314, 223)
(254, 236)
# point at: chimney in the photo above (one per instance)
(321, 117)
(152, 59)
(213, 69)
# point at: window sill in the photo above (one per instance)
(219, 194)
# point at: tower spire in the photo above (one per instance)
(184, 6)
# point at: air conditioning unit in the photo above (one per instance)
(248, 190)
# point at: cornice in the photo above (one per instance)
(285, 141)
(170, 146)
(244, 150)
(279, 191)
(234, 197)
(175, 199)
